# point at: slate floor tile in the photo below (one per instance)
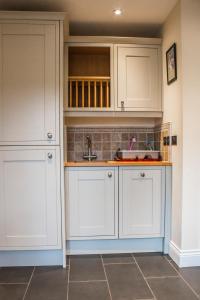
(12, 291)
(191, 275)
(117, 258)
(48, 283)
(88, 291)
(86, 267)
(171, 289)
(155, 265)
(126, 282)
(15, 274)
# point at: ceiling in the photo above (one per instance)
(95, 17)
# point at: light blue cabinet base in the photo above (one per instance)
(116, 246)
(31, 258)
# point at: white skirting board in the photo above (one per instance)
(31, 258)
(184, 258)
(115, 246)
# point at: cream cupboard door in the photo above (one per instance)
(138, 76)
(141, 195)
(29, 77)
(29, 199)
(91, 203)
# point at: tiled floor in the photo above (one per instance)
(106, 277)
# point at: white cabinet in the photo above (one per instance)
(29, 83)
(92, 203)
(30, 198)
(141, 202)
(138, 78)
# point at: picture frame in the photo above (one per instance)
(171, 64)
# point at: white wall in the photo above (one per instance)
(182, 108)
(172, 105)
(190, 26)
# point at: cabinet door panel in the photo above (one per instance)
(91, 203)
(141, 208)
(29, 199)
(138, 78)
(29, 100)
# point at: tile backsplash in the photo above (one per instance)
(107, 140)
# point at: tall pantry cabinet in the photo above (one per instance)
(30, 130)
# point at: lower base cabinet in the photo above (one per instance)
(141, 202)
(30, 206)
(91, 210)
(99, 199)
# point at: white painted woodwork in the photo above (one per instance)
(29, 83)
(91, 203)
(30, 198)
(138, 78)
(141, 202)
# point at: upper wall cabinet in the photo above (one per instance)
(138, 78)
(29, 82)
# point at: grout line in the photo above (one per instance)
(144, 278)
(28, 284)
(120, 263)
(10, 283)
(162, 277)
(68, 278)
(87, 281)
(191, 288)
(106, 277)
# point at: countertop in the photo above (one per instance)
(113, 163)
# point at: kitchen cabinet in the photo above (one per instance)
(92, 203)
(138, 78)
(30, 198)
(29, 102)
(141, 202)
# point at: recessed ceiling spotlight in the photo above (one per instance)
(117, 12)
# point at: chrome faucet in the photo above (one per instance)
(89, 156)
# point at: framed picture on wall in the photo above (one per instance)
(171, 64)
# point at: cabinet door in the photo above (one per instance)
(141, 203)
(29, 102)
(29, 199)
(139, 82)
(91, 207)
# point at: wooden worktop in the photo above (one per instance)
(113, 163)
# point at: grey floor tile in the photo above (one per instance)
(126, 282)
(155, 265)
(117, 258)
(191, 275)
(15, 274)
(171, 289)
(48, 283)
(86, 267)
(88, 291)
(12, 291)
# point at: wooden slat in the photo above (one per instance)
(95, 93)
(86, 78)
(107, 94)
(83, 93)
(70, 93)
(76, 93)
(101, 93)
(89, 100)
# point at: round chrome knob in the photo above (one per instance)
(49, 135)
(142, 174)
(50, 155)
(109, 174)
(122, 105)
